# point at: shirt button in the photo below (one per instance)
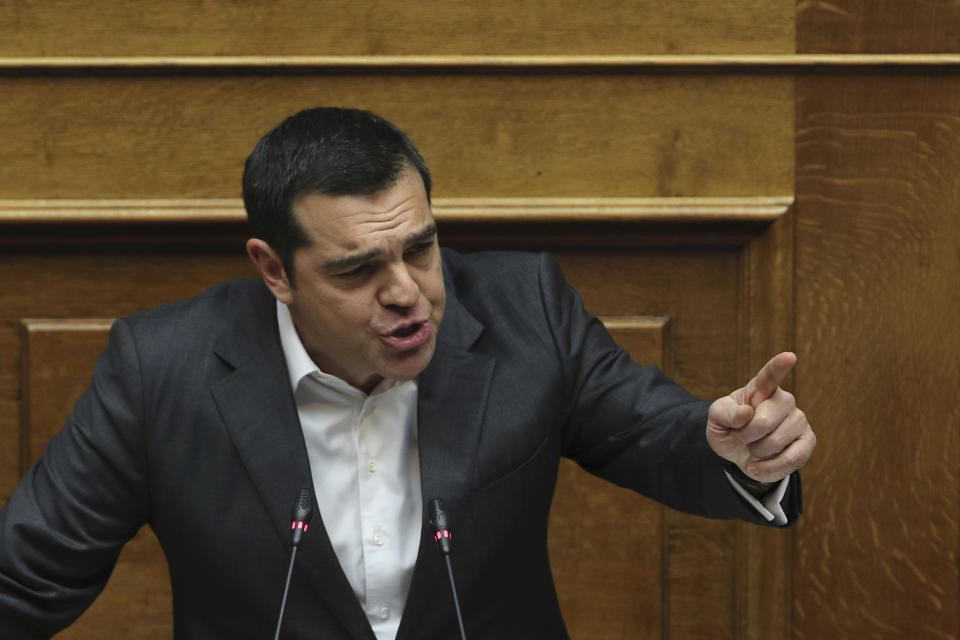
(379, 539)
(372, 465)
(383, 613)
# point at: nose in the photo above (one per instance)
(400, 289)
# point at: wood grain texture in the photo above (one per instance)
(695, 288)
(878, 295)
(89, 281)
(877, 26)
(52, 351)
(286, 27)
(550, 135)
(768, 317)
(702, 578)
(557, 125)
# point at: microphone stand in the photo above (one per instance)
(438, 520)
(300, 522)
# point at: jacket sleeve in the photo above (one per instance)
(632, 425)
(74, 509)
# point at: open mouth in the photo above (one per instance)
(404, 332)
(409, 337)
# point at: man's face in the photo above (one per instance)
(368, 297)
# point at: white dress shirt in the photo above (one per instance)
(366, 476)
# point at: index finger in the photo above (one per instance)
(769, 378)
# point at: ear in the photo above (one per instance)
(270, 266)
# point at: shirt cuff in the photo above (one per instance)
(769, 506)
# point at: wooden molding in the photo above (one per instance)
(462, 210)
(93, 211)
(505, 62)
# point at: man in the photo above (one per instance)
(382, 372)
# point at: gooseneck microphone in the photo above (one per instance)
(302, 513)
(300, 522)
(441, 533)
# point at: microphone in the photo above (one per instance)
(302, 513)
(441, 533)
(441, 529)
(300, 522)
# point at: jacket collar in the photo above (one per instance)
(454, 390)
(259, 411)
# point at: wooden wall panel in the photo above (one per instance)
(173, 128)
(632, 134)
(93, 282)
(878, 291)
(872, 243)
(57, 357)
(701, 579)
(679, 284)
(768, 314)
(878, 26)
(384, 27)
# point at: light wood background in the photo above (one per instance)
(721, 181)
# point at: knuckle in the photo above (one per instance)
(791, 400)
(790, 460)
(779, 441)
(762, 419)
(767, 448)
(794, 459)
(785, 396)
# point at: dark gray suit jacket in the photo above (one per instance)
(190, 426)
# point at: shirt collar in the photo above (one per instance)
(300, 365)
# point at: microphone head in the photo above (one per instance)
(438, 517)
(303, 508)
(302, 514)
(441, 527)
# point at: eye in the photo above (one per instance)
(356, 272)
(419, 249)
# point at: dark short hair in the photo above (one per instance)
(325, 150)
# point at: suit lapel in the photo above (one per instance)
(258, 409)
(453, 393)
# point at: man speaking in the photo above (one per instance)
(382, 372)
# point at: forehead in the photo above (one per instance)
(352, 222)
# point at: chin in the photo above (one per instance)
(406, 373)
(412, 367)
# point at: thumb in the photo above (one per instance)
(725, 418)
(726, 413)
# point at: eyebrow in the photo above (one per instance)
(351, 260)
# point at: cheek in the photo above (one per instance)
(338, 313)
(355, 311)
(432, 286)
